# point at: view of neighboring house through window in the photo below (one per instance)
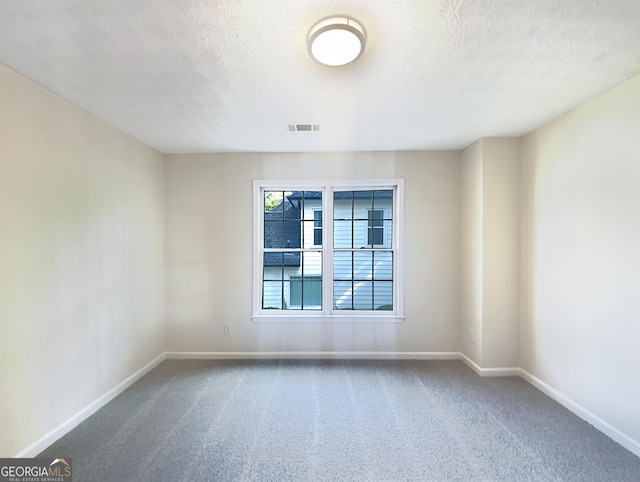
(362, 255)
(292, 258)
(327, 250)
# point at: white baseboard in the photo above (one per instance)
(589, 417)
(489, 372)
(313, 355)
(43, 442)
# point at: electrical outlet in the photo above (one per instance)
(227, 329)
(472, 336)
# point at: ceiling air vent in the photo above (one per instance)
(303, 127)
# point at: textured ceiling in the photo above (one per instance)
(231, 75)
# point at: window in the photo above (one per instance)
(327, 251)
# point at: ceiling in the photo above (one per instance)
(230, 75)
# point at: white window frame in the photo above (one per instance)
(328, 314)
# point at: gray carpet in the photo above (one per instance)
(337, 420)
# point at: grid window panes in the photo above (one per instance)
(328, 251)
(363, 250)
(292, 257)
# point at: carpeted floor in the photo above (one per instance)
(337, 420)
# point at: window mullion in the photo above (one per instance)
(327, 246)
(301, 281)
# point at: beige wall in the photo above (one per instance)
(580, 329)
(490, 261)
(209, 245)
(471, 253)
(500, 252)
(81, 260)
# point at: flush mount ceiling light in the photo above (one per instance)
(336, 41)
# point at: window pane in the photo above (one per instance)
(375, 217)
(361, 210)
(364, 198)
(342, 236)
(342, 266)
(342, 295)
(309, 235)
(383, 265)
(360, 230)
(388, 235)
(294, 300)
(312, 264)
(273, 236)
(312, 204)
(383, 200)
(363, 295)
(363, 265)
(375, 237)
(291, 262)
(273, 207)
(292, 293)
(292, 234)
(273, 266)
(272, 295)
(343, 205)
(282, 234)
(383, 295)
(312, 293)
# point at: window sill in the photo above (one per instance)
(364, 318)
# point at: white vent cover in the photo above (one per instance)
(303, 127)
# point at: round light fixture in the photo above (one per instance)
(336, 41)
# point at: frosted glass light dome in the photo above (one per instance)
(336, 41)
